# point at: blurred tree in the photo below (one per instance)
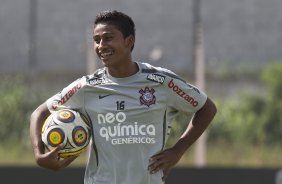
(239, 120)
(12, 116)
(272, 75)
(18, 100)
(253, 118)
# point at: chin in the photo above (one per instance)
(106, 63)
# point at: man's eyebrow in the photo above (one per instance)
(105, 33)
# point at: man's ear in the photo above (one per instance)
(130, 40)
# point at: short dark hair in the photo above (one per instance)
(123, 22)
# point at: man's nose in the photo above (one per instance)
(102, 44)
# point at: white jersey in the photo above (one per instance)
(131, 119)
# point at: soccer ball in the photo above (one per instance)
(68, 127)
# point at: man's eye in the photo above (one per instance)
(96, 41)
(108, 38)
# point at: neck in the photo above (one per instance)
(124, 70)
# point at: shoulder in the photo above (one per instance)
(74, 89)
(98, 77)
(83, 81)
(148, 68)
(158, 74)
(165, 76)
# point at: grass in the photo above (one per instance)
(218, 155)
(19, 155)
(237, 155)
(246, 156)
(15, 155)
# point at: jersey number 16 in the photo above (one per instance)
(120, 105)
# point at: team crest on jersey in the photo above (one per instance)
(147, 96)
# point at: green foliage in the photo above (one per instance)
(239, 120)
(12, 119)
(17, 102)
(273, 117)
(272, 75)
(252, 118)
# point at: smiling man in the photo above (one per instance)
(130, 105)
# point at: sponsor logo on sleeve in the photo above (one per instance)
(96, 81)
(156, 78)
(175, 88)
(66, 96)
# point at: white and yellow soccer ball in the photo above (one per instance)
(68, 127)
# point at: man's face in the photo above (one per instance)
(110, 45)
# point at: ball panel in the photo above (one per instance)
(79, 136)
(55, 137)
(65, 116)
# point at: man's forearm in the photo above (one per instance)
(198, 125)
(36, 122)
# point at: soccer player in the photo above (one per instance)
(131, 106)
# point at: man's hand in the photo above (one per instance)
(164, 161)
(52, 161)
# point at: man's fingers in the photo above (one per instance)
(66, 161)
(166, 173)
(156, 157)
(57, 149)
(155, 166)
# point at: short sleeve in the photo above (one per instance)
(70, 97)
(184, 96)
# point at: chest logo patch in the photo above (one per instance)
(147, 96)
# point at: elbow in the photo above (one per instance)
(214, 109)
(33, 115)
(209, 109)
(40, 111)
